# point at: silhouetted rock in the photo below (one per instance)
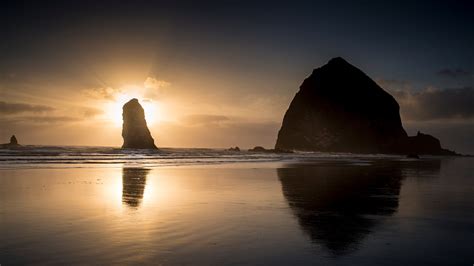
(13, 140)
(262, 149)
(340, 109)
(413, 156)
(258, 149)
(425, 144)
(12, 144)
(135, 132)
(234, 149)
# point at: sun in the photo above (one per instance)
(113, 111)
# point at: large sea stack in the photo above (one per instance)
(135, 131)
(340, 109)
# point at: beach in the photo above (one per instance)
(213, 207)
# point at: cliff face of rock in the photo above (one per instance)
(135, 132)
(340, 109)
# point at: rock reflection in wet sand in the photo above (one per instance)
(338, 206)
(133, 186)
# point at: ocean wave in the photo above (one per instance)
(67, 156)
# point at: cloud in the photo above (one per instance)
(151, 89)
(152, 83)
(203, 119)
(52, 119)
(436, 104)
(40, 120)
(227, 133)
(431, 104)
(107, 93)
(453, 73)
(219, 131)
(91, 112)
(15, 108)
(154, 88)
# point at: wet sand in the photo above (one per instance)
(371, 212)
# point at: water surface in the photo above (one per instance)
(331, 209)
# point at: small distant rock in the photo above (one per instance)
(258, 149)
(12, 144)
(262, 149)
(13, 140)
(236, 148)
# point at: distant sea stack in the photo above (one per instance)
(340, 109)
(135, 132)
(13, 140)
(12, 144)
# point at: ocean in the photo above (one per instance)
(100, 205)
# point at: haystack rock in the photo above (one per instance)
(135, 132)
(340, 109)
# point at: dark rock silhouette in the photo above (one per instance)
(262, 149)
(338, 206)
(13, 140)
(340, 109)
(12, 144)
(258, 149)
(425, 144)
(236, 148)
(135, 132)
(133, 185)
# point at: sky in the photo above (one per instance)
(222, 73)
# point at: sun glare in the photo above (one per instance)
(114, 110)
